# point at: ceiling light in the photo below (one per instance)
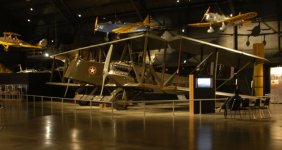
(28, 20)
(79, 15)
(177, 1)
(46, 54)
(31, 9)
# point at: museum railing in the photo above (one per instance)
(166, 106)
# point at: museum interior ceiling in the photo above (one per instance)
(69, 24)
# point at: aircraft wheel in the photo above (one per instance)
(119, 104)
(84, 103)
(82, 90)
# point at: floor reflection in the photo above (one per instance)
(36, 126)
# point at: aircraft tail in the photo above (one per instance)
(42, 43)
(147, 20)
(95, 25)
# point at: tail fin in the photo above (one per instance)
(147, 20)
(42, 43)
(95, 24)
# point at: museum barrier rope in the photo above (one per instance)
(173, 104)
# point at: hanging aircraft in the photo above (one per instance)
(123, 28)
(124, 69)
(258, 31)
(11, 39)
(215, 19)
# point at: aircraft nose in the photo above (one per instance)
(207, 16)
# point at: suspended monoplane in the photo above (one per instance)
(216, 19)
(123, 28)
(11, 39)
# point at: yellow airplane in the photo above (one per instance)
(215, 19)
(11, 39)
(123, 28)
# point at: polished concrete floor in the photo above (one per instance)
(36, 126)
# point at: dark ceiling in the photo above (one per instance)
(59, 21)
(53, 19)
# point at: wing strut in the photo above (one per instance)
(199, 65)
(246, 65)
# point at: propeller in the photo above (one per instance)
(207, 11)
(106, 68)
(95, 25)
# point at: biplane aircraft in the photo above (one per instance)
(124, 69)
(123, 28)
(215, 19)
(11, 39)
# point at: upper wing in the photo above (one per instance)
(240, 17)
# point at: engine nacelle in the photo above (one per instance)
(223, 27)
(210, 30)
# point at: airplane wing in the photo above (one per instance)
(63, 84)
(128, 28)
(137, 42)
(42, 43)
(204, 24)
(240, 17)
(226, 56)
(26, 45)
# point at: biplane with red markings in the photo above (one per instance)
(127, 69)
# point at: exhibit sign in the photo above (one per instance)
(276, 84)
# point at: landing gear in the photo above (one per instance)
(81, 91)
(119, 99)
(119, 102)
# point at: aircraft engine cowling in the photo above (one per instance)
(42, 43)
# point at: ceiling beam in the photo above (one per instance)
(65, 11)
(136, 9)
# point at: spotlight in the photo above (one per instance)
(46, 54)
(248, 43)
(264, 41)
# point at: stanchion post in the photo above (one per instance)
(112, 105)
(62, 104)
(173, 105)
(144, 109)
(200, 107)
(33, 101)
(42, 101)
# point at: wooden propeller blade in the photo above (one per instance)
(207, 11)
